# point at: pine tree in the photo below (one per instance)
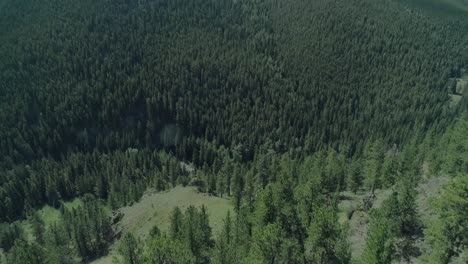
(165, 250)
(9, 234)
(355, 177)
(38, 229)
(390, 167)
(129, 249)
(24, 252)
(175, 230)
(373, 155)
(205, 228)
(379, 247)
(447, 234)
(267, 243)
(264, 172)
(327, 239)
(409, 223)
(237, 188)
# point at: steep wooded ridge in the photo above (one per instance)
(279, 106)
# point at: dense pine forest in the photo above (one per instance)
(315, 120)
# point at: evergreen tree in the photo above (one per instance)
(390, 168)
(129, 249)
(379, 247)
(447, 234)
(373, 155)
(37, 225)
(176, 223)
(237, 188)
(355, 178)
(205, 228)
(327, 239)
(25, 252)
(9, 233)
(165, 250)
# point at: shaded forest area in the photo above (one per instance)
(111, 75)
(280, 106)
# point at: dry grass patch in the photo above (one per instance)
(155, 209)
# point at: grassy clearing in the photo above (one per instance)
(454, 99)
(462, 84)
(155, 209)
(350, 212)
(461, 88)
(49, 215)
(104, 260)
(428, 190)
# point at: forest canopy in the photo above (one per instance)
(283, 107)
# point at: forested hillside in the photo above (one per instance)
(280, 106)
